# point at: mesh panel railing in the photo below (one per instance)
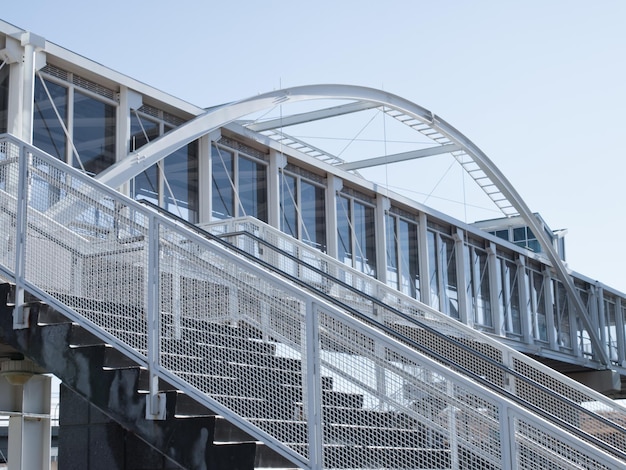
(320, 387)
(502, 366)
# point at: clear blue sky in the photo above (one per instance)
(539, 86)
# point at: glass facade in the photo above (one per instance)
(582, 335)
(222, 171)
(93, 133)
(562, 319)
(313, 209)
(509, 297)
(252, 179)
(478, 287)
(48, 133)
(402, 254)
(356, 234)
(289, 205)
(239, 184)
(391, 238)
(92, 125)
(180, 184)
(303, 210)
(409, 258)
(143, 130)
(538, 306)
(171, 183)
(442, 276)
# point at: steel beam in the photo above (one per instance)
(311, 116)
(400, 157)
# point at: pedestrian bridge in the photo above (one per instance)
(307, 362)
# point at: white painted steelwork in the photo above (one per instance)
(471, 158)
(506, 368)
(103, 267)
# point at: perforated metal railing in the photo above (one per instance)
(320, 387)
(432, 331)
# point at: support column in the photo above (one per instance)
(334, 185)
(422, 246)
(461, 268)
(278, 161)
(12, 55)
(497, 315)
(548, 295)
(129, 101)
(25, 397)
(525, 299)
(204, 179)
(33, 60)
(205, 176)
(383, 204)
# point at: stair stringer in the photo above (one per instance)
(188, 442)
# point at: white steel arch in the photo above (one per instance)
(406, 111)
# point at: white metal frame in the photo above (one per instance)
(422, 120)
(317, 319)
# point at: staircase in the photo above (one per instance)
(144, 317)
(531, 384)
(190, 434)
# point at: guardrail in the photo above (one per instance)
(558, 396)
(152, 288)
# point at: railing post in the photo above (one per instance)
(20, 316)
(155, 401)
(507, 438)
(313, 402)
(452, 428)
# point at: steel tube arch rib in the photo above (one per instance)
(213, 119)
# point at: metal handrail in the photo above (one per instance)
(410, 342)
(315, 306)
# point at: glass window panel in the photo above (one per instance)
(94, 133)
(483, 304)
(540, 325)
(484, 299)
(562, 323)
(534, 246)
(223, 201)
(504, 234)
(142, 131)
(253, 188)
(448, 258)
(514, 315)
(433, 269)
(48, 133)
(519, 234)
(409, 258)
(288, 209)
(391, 238)
(180, 186)
(480, 293)
(584, 341)
(313, 208)
(344, 236)
(365, 238)
(144, 185)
